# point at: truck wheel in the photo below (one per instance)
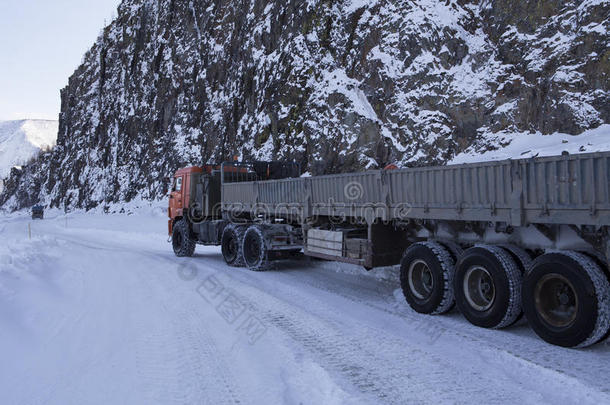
(426, 277)
(453, 248)
(256, 256)
(231, 243)
(488, 287)
(523, 260)
(566, 299)
(520, 256)
(182, 243)
(600, 261)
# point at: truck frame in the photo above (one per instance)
(496, 239)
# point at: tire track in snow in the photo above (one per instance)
(517, 350)
(202, 376)
(179, 346)
(322, 335)
(303, 319)
(370, 362)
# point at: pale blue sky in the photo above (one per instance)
(41, 43)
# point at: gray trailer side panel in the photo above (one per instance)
(571, 190)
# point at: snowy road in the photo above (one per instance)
(96, 309)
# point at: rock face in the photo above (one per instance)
(336, 85)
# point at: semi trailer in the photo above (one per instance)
(497, 239)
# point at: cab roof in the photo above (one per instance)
(187, 170)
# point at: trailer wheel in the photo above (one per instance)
(488, 287)
(453, 248)
(599, 260)
(256, 256)
(426, 277)
(182, 243)
(231, 243)
(520, 256)
(566, 299)
(524, 262)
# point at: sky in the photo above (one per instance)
(42, 42)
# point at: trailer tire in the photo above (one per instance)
(255, 254)
(520, 256)
(182, 243)
(604, 266)
(488, 287)
(426, 278)
(523, 260)
(455, 249)
(599, 260)
(574, 283)
(231, 245)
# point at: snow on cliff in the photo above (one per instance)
(21, 140)
(528, 145)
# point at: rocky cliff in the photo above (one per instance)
(337, 85)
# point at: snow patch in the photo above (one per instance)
(526, 144)
(22, 140)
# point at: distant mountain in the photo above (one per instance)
(337, 85)
(22, 140)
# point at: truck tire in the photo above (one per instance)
(453, 248)
(182, 243)
(600, 261)
(426, 278)
(524, 262)
(520, 256)
(566, 299)
(231, 245)
(488, 287)
(256, 256)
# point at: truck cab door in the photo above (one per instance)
(176, 200)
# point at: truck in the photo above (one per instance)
(498, 239)
(38, 212)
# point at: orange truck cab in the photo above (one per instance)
(195, 209)
(195, 199)
(180, 194)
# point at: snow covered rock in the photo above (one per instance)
(22, 140)
(336, 85)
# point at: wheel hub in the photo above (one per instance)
(252, 249)
(421, 280)
(427, 279)
(564, 299)
(556, 300)
(479, 288)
